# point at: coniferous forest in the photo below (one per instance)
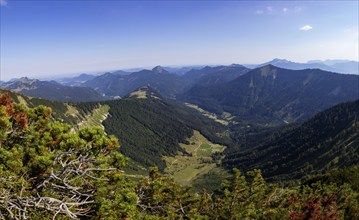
(49, 171)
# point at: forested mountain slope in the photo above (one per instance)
(274, 94)
(150, 127)
(330, 139)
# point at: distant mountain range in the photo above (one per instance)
(338, 66)
(166, 83)
(77, 80)
(53, 90)
(182, 70)
(82, 78)
(272, 93)
(214, 75)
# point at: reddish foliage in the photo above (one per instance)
(315, 208)
(21, 120)
(6, 101)
(218, 201)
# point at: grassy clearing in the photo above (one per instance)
(96, 118)
(208, 114)
(22, 100)
(227, 116)
(139, 94)
(187, 168)
(72, 111)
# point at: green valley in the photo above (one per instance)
(195, 162)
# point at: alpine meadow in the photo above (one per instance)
(179, 110)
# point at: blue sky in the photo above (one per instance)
(44, 38)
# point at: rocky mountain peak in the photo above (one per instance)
(158, 69)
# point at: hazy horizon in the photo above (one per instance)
(131, 69)
(43, 39)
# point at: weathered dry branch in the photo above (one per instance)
(69, 180)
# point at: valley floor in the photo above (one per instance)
(198, 161)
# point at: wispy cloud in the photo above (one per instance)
(270, 9)
(267, 10)
(306, 28)
(297, 9)
(3, 2)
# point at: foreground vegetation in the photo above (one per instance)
(49, 171)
